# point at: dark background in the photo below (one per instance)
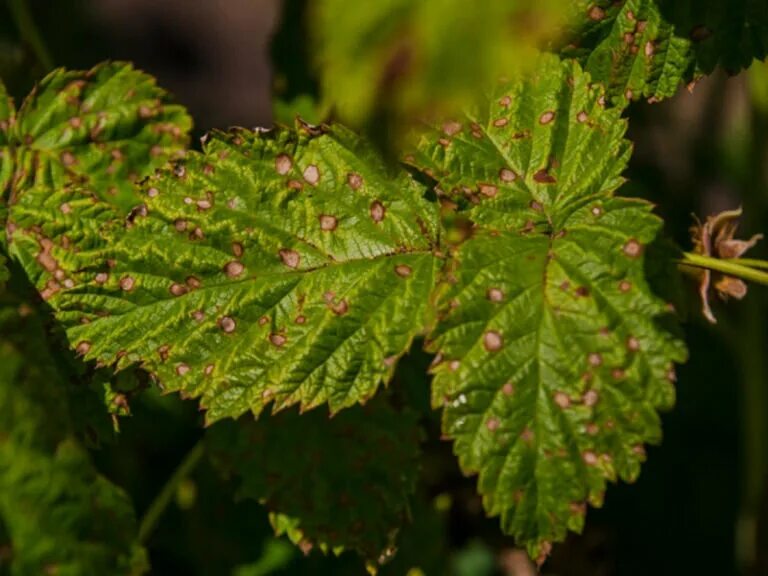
(702, 495)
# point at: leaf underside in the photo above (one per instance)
(288, 267)
(552, 362)
(346, 483)
(61, 515)
(646, 48)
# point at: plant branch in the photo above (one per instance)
(161, 501)
(22, 16)
(732, 267)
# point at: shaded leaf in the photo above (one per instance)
(552, 362)
(61, 515)
(338, 483)
(646, 48)
(289, 267)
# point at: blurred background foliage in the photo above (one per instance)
(701, 503)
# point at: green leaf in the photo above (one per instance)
(104, 128)
(288, 267)
(646, 48)
(61, 515)
(338, 483)
(409, 57)
(7, 117)
(552, 358)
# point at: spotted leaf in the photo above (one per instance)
(646, 48)
(104, 128)
(346, 484)
(288, 267)
(61, 516)
(552, 354)
(7, 117)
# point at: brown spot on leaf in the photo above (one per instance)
(546, 118)
(354, 180)
(178, 289)
(596, 13)
(290, 258)
(507, 175)
(233, 269)
(377, 211)
(403, 270)
(562, 399)
(492, 341)
(127, 283)
(182, 369)
(328, 223)
(590, 397)
(488, 190)
(283, 164)
(227, 324)
(277, 339)
(494, 295)
(544, 177)
(312, 174)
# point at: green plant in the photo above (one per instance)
(290, 269)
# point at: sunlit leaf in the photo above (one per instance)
(105, 128)
(288, 267)
(552, 359)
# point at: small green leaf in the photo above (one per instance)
(61, 515)
(552, 358)
(338, 483)
(288, 267)
(646, 48)
(104, 128)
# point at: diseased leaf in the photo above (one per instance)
(410, 56)
(105, 128)
(552, 359)
(61, 515)
(346, 482)
(7, 117)
(646, 48)
(288, 267)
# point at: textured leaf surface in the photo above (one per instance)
(346, 483)
(104, 128)
(408, 56)
(61, 516)
(551, 358)
(7, 116)
(646, 48)
(287, 267)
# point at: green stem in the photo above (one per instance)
(752, 263)
(734, 267)
(161, 501)
(30, 33)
